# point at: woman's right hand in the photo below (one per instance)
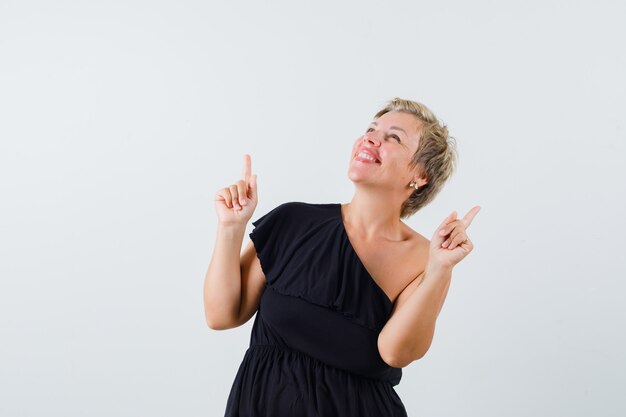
(235, 204)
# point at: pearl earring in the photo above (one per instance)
(414, 184)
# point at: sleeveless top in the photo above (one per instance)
(313, 348)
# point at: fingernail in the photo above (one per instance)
(442, 232)
(444, 244)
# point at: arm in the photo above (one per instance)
(233, 286)
(222, 284)
(234, 280)
(409, 331)
(408, 334)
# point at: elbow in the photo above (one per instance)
(402, 359)
(219, 318)
(399, 352)
(219, 326)
(215, 324)
(394, 362)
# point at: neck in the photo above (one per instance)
(374, 214)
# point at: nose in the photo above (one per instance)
(371, 138)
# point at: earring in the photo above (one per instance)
(414, 184)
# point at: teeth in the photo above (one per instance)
(366, 156)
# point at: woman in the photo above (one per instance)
(347, 294)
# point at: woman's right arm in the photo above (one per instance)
(234, 281)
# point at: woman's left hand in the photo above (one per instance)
(450, 243)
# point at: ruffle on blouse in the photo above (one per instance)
(305, 252)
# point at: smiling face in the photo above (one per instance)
(383, 154)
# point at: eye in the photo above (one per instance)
(396, 138)
(369, 129)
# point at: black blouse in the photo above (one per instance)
(313, 348)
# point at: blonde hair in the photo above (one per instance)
(436, 156)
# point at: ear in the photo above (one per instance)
(419, 177)
(420, 181)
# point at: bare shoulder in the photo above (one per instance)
(418, 245)
(415, 239)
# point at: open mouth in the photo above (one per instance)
(366, 157)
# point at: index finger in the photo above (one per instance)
(247, 167)
(470, 215)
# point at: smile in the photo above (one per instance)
(366, 156)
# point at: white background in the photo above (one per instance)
(119, 121)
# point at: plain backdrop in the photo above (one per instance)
(119, 121)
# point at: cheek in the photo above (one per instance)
(395, 161)
(355, 145)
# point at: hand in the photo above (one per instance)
(450, 243)
(236, 203)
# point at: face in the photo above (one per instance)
(381, 156)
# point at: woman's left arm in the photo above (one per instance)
(408, 333)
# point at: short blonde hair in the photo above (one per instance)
(436, 156)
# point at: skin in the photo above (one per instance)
(413, 271)
(390, 250)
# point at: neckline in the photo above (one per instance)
(345, 233)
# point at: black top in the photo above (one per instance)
(313, 348)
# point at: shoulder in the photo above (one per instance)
(418, 247)
(415, 239)
(302, 209)
(301, 205)
(308, 207)
(294, 213)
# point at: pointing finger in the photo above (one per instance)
(467, 219)
(247, 168)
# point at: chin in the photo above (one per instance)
(356, 176)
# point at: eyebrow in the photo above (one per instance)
(392, 128)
